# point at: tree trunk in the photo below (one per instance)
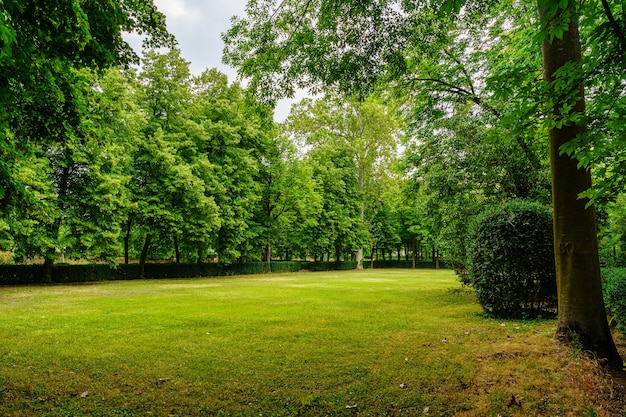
(268, 251)
(144, 256)
(48, 263)
(176, 248)
(126, 240)
(582, 316)
(337, 254)
(199, 256)
(413, 252)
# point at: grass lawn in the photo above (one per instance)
(367, 343)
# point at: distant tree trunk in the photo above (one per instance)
(48, 264)
(373, 252)
(413, 252)
(144, 256)
(199, 256)
(337, 253)
(176, 248)
(268, 251)
(127, 239)
(582, 316)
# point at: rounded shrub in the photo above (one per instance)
(511, 260)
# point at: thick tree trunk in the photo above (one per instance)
(582, 316)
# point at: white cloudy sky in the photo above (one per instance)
(197, 26)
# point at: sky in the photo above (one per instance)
(197, 26)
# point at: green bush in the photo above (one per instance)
(511, 260)
(614, 288)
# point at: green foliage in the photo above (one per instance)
(511, 260)
(614, 288)
(43, 45)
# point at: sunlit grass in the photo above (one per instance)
(372, 343)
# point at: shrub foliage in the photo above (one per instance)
(511, 260)
(614, 286)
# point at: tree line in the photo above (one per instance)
(162, 164)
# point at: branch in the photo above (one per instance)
(618, 31)
(463, 70)
(462, 92)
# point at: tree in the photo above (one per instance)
(289, 201)
(173, 183)
(365, 129)
(582, 315)
(337, 227)
(234, 131)
(353, 45)
(41, 43)
(82, 213)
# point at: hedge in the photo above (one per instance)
(511, 260)
(64, 273)
(421, 263)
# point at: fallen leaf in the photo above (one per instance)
(84, 394)
(348, 407)
(403, 385)
(426, 411)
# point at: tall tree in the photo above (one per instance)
(582, 315)
(234, 132)
(289, 195)
(41, 42)
(366, 129)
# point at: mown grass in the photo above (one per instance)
(368, 343)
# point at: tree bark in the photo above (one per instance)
(48, 264)
(144, 255)
(582, 316)
(126, 240)
(176, 248)
(361, 185)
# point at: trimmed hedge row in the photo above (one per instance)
(63, 273)
(404, 264)
(33, 274)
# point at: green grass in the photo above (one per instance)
(372, 343)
